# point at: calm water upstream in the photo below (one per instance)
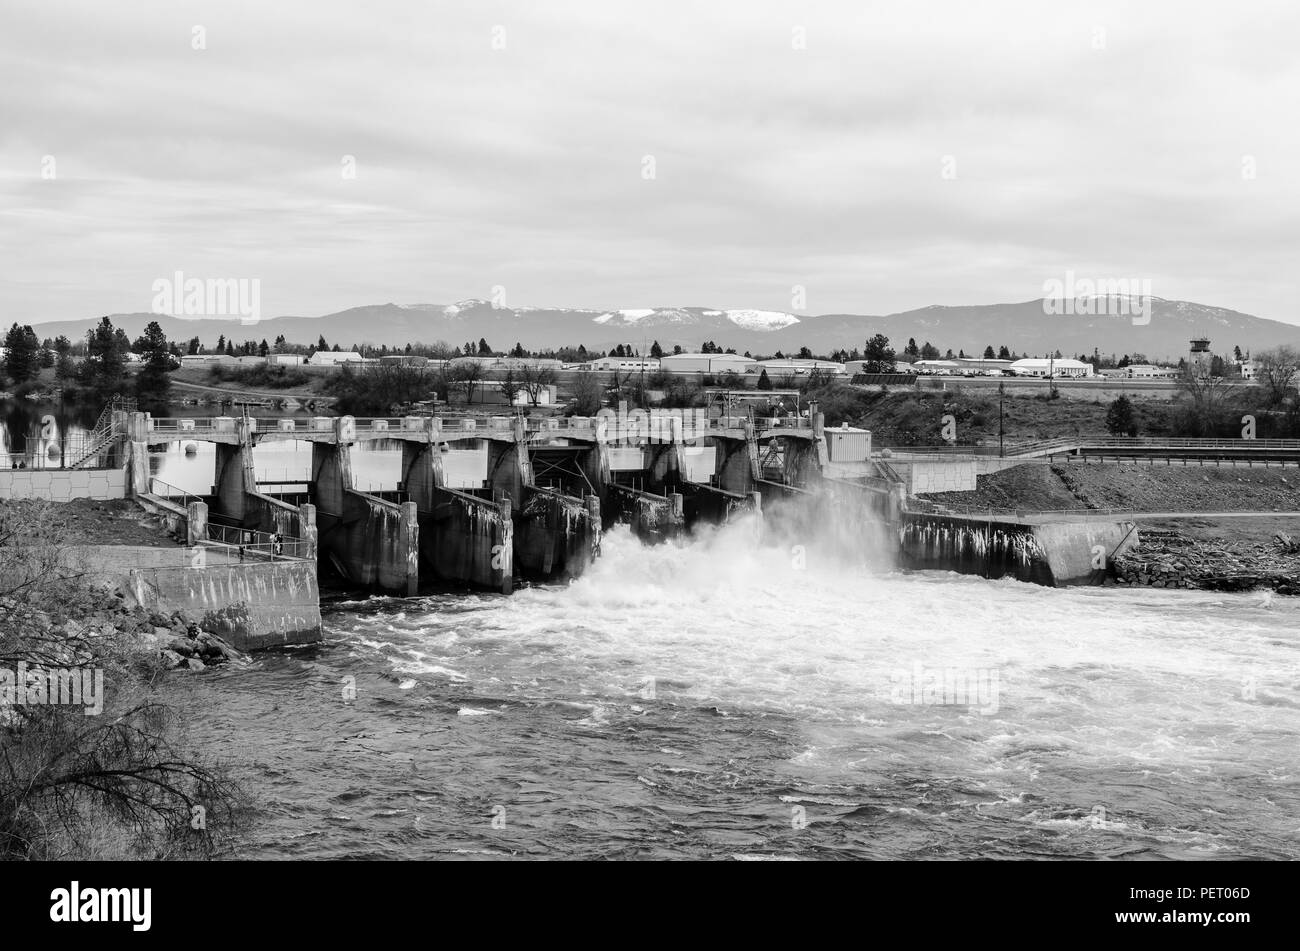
(711, 700)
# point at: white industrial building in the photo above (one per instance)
(1145, 371)
(207, 360)
(847, 443)
(708, 363)
(793, 366)
(1046, 366)
(330, 358)
(939, 367)
(285, 359)
(635, 364)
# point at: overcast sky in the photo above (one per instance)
(910, 154)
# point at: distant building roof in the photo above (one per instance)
(1044, 362)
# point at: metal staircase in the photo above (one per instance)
(83, 451)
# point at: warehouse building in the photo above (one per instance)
(1045, 366)
(708, 363)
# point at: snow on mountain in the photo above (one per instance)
(760, 319)
(470, 303)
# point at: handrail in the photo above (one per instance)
(186, 497)
(254, 540)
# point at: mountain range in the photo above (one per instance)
(1024, 327)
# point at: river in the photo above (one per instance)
(716, 700)
(727, 699)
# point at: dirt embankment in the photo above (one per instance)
(1134, 488)
(87, 522)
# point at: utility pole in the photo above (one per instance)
(1001, 390)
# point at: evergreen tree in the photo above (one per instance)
(763, 382)
(911, 353)
(264, 348)
(64, 368)
(483, 349)
(929, 352)
(988, 352)
(152, 383)
(1004, 353)
(104, 369)
(878, 356)
(194, 346)
(656, 351)
(22, 360)
(1119, 418)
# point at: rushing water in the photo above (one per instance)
(720, 700)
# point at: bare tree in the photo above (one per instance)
(467, 374)
(1207, 398)
(72, 786)
(1278, 371)
(534, 380)
(586, 394)
(509, 385)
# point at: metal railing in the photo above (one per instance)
(248, 541)
(1155, 442)
(171, 492)
(984, 511)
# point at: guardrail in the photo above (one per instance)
(975, 511)
(249, 541)
(1069, 443)
(171, 492)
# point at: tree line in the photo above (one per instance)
(102, 373)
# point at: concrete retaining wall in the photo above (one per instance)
(253, 605)
(1051, 553)
(63, 485)
(956, 475)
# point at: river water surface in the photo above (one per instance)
(729, 700)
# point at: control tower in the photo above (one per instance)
(1199, 359)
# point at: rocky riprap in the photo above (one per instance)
(1170, 559)
(178, 644)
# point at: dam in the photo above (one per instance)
(552, 486)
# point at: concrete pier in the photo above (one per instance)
(468, 540)
(654, 518)
(556, 535)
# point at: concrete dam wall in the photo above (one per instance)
(1049, 553)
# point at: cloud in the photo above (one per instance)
(1109, 139)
